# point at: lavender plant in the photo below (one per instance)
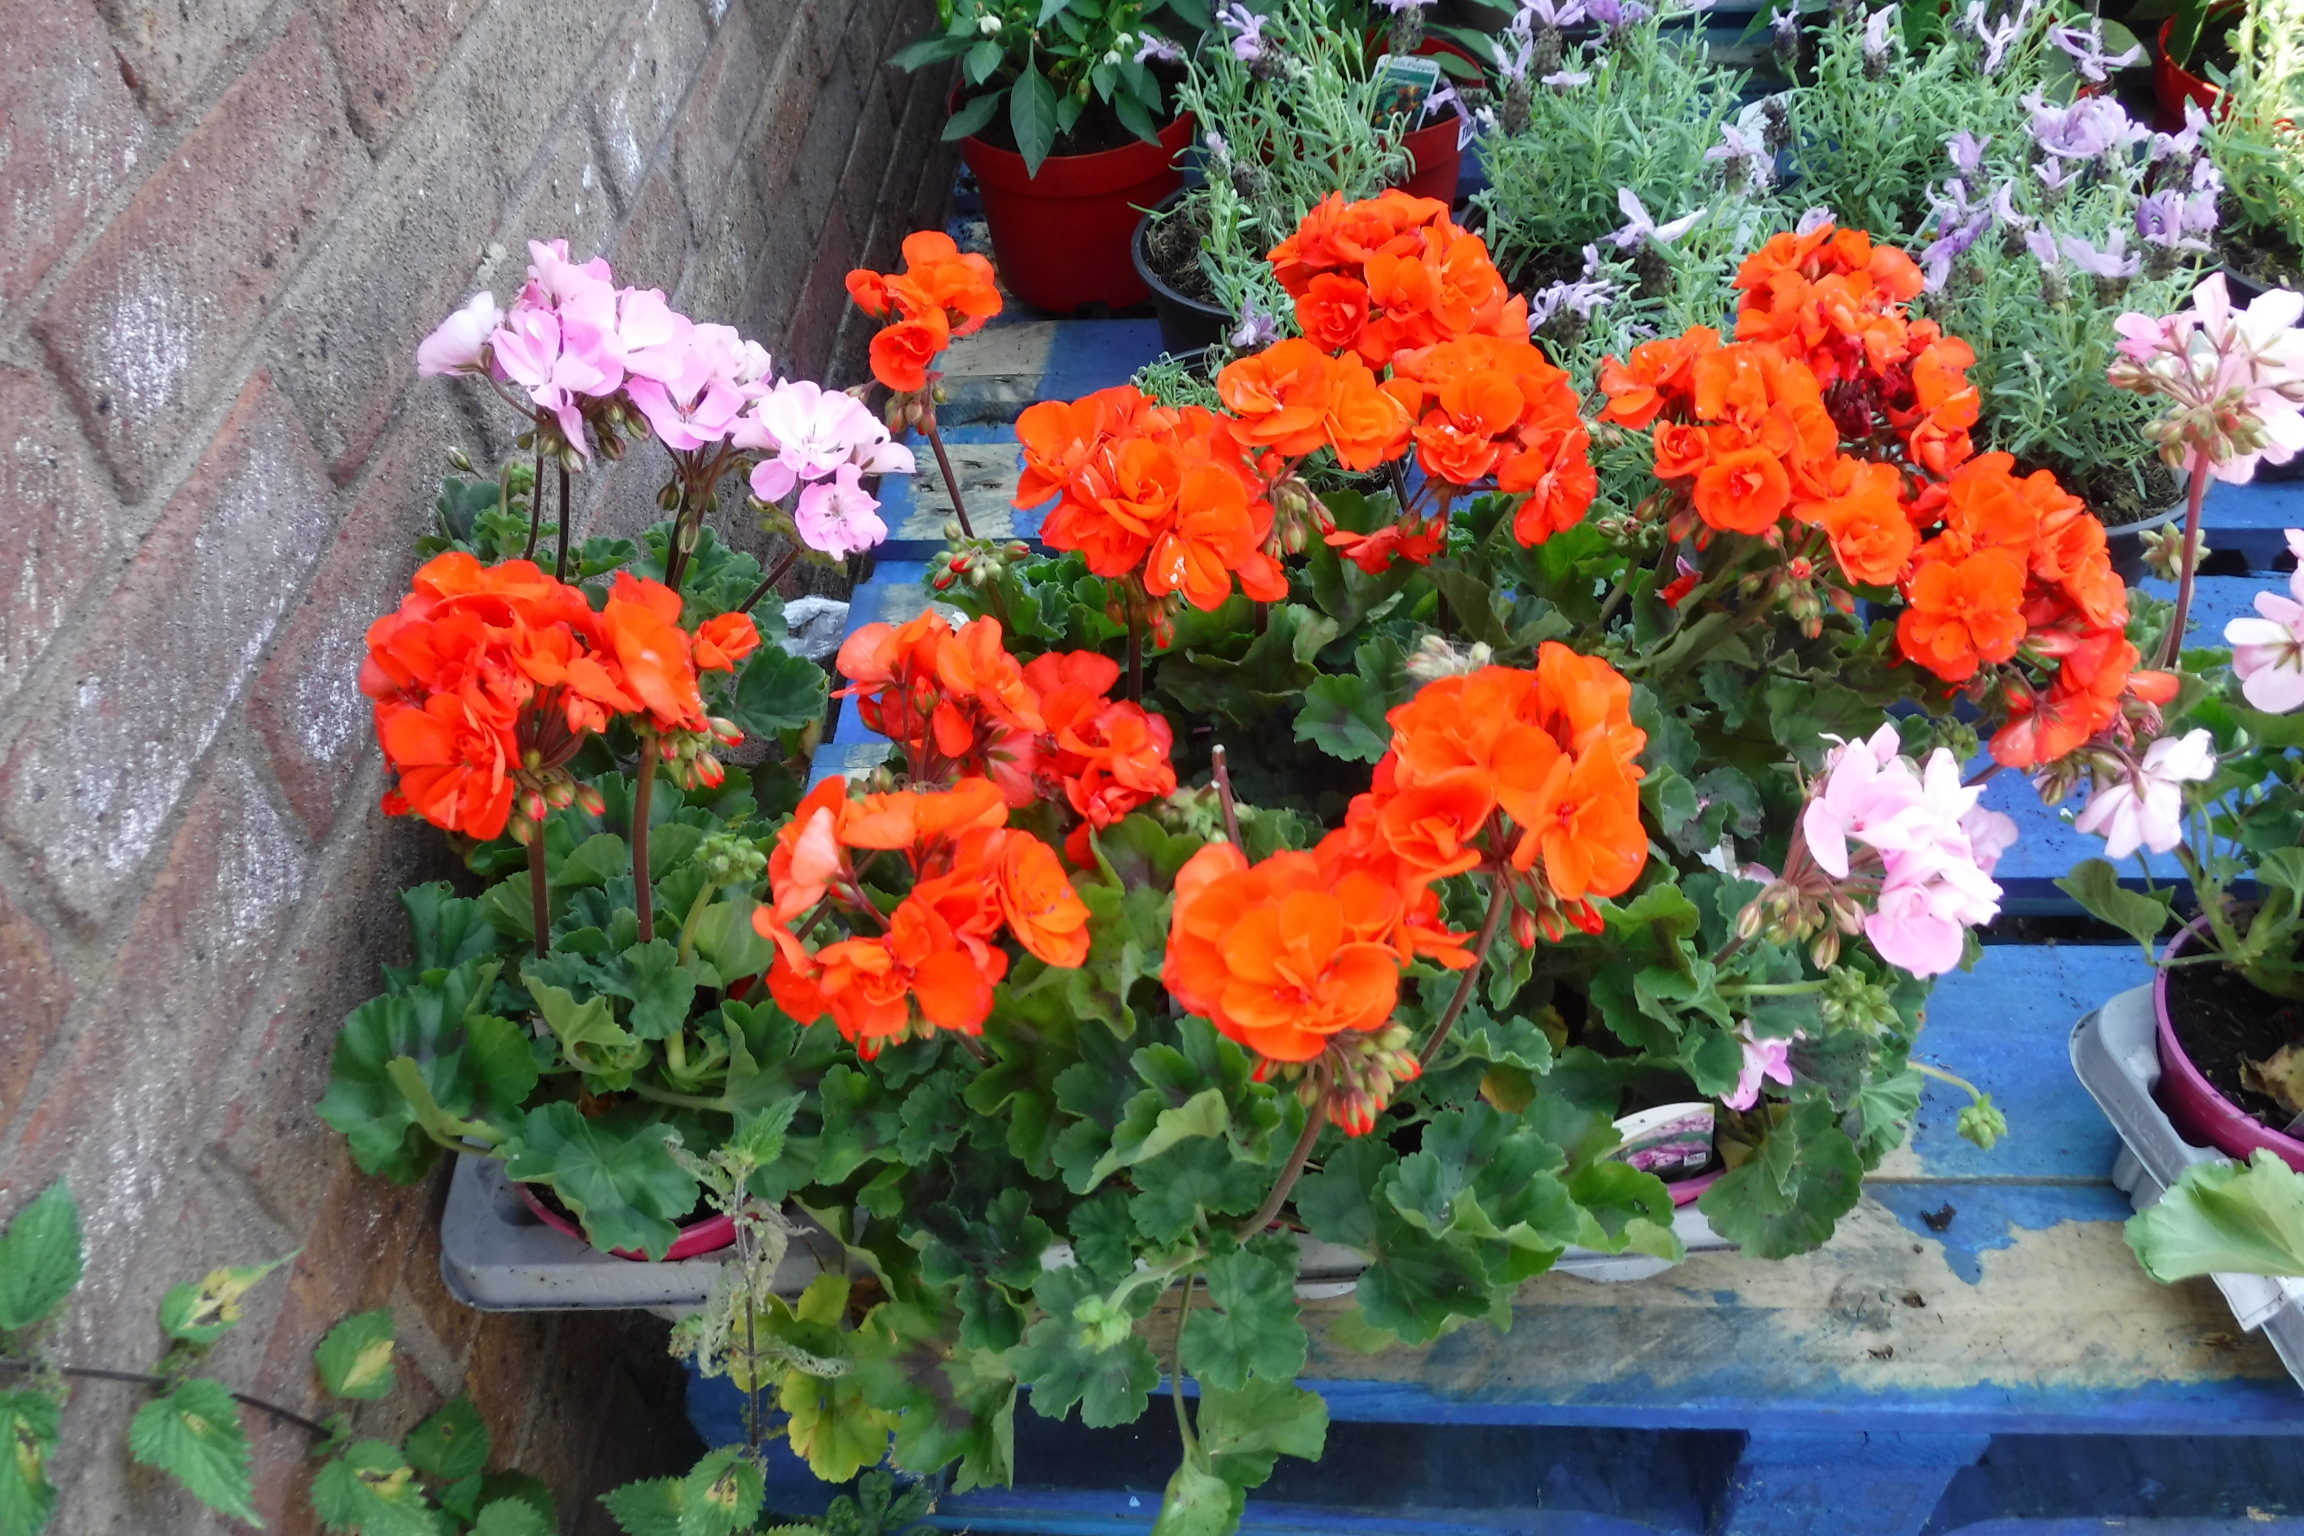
(1594, 99)
(2256, 143)
(2036, 239)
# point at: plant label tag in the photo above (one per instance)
(1404, 87)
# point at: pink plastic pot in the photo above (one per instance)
(1688, 1191)
(2200, 1114)
(706, 1236)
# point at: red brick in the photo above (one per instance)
(869, 159)
(307, 705)
(652, 251)
(60, 525)
(399, 261)
(34, 994)
(508, 1354)
(168, 47)
(265, 1128)
(146, 327)
(793, 86)
(521, 62)
(647, 74)
(731, 247)
(70, 135)
(623, 502)
(712, 125)
(385, 52)
(87, 793)
(440, 1329)
(569, 201)
(816, 319)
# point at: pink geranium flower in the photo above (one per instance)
(2268, 652)
(2146, 807)
(1764, 1060)
(838, 517)
(461, 338)
(2236, 377)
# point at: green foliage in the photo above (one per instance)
(619, 1178)
(193, 1433)
(39, 1258)
(2224, 1217)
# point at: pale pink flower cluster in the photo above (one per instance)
(1763, 1059)
(1936, 846)
(2236, 377)
(573, 340)
(2268, 651)
(2145, 807)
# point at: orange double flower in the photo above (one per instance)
(487, 679)
(1163, 495)
(1495, 406)
(1391, 274)
(955, 700)
(931, 963)
(940, 294)
(1106, 756)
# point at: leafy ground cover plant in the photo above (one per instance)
(1060, 68)
(2255, 143)
(435, 1482)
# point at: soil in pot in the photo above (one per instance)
(2271, 264)
(1172, 250)
(2224, 1023)
(2112, 491)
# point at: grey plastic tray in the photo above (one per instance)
(2116, 1052)
(495, 1256)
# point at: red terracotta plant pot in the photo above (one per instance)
(2173, 84)
(2200, 1114)
(1061, 238)
(1433, 151)
(707, 1236)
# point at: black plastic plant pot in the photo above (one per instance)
(1186, 324)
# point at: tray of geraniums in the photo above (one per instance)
(1264, 868)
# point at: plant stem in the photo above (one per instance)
(147, 1379)
(944, 463)
(560, 564)
(769, 581)
(1291, 1170)
(975, 1047)
(2194, 495)
(1135, 651)
(1176, 1369)
(643, 893)
(1943, 1076)
(539, 889)
(1498, 900)
(1223, 777)
(684, 1100)
(536, 496)
(1770, 988)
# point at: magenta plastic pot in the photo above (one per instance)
(2200, 1114)
(707, 1236)
(1687, 1191)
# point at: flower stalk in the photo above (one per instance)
(944, 463)
(643, 793)
(1499, 898)
(1315, 1116)
(2194, 496)
(539, 888)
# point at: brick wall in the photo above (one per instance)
(224, 226)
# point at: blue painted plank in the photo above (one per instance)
(2006, 1027)
(1089, 355)
(2251, 518)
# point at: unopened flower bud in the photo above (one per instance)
(459, 459)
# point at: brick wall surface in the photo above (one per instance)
(224, 226)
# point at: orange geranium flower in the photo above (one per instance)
(1038, 902)
(1963, 613)
(1106, 757)
(939, 295)
(1414, 540)
(956, 701)
(1659, 374)
(1332, 311)
(1276, 956)
(454, 767)
(723, 641)
(1871, 537)
(642, 623)
(870, 985)
(1280, 397)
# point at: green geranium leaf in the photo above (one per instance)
(595, 861)
(452, 1443)
(475, 1066)
(372, 1490)
(725, 936)
(1624, 1208)
(1788, 1196)
(1243, 1430)
(192, 1432)
(660, 988)
(2225, 1217)
(1198, 1503)
(1479, 1175)
(448, 929)
(2095, 884)
(862, 1120)
(1886, 1107)
(832, 1427)
(1086, 1352)
(1344, 717)
(355, 1360)
(623, 1185)
(777, 691)
(589, 1035)
(647, 1509)
(1249, 1325)
(39, 1258)
(948, 1405)
(29, 1425)
(991, 1261)
(1190, 1182)
(1152, 1126)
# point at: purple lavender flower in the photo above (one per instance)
(1879, 34)
(1938, 259)
(1558, 15)
(1158, 47)
(1567, 79)
(1746, 151)
(1256, 329)
(2185, 142)
(1615, 13)
(2089, 127)
(2112, 261)
(2004, 207)
(2055, 175)
(1997, 40)
(1639, 228)
(2162, 220)
(1813, 220)
(1247, 29)
(1582, 298)
(1967, 151)
(2041, 242)
(2085, 47)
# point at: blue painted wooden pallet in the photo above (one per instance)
(1886, 1384)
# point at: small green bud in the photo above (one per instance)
(1982, 1122)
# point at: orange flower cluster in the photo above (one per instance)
(962, 708)
(940, 294)
(1392, 274)
(1145, 489)
(488, 678)
(1292, 399)
(1834, 411)
(1493, 405)
(1286, 955)
(932, 963)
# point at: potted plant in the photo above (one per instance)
(2214, 777)
(1290, 111)
(2252, 137)
(564, 727)
(1062, 111)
